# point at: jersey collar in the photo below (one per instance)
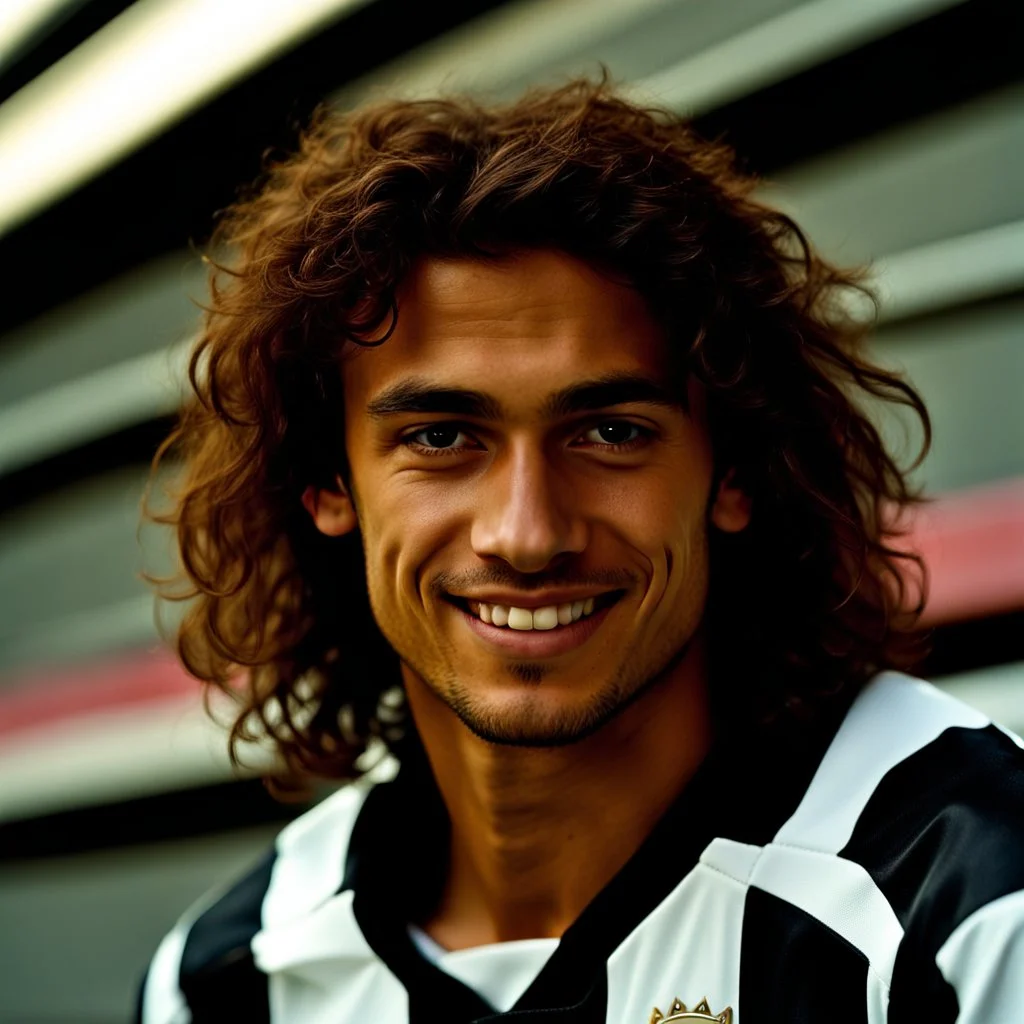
(748, 785)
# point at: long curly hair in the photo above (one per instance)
(804, 605)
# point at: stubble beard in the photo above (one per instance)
(525, 724)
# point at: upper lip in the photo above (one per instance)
(543, 599)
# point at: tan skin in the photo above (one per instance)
(570, 471)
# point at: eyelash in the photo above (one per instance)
(409, 440)
(644, 434)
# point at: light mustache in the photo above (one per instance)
(495, 576)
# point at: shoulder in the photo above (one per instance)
(906, 757)
(206, 965)
(925, 796)
(942, 830)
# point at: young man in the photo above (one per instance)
(527, 446)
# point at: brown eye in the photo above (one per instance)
(439, 437)
(614, 432)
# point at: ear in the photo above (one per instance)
(331, 510)
(731, 509)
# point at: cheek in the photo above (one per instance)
(658, 512)
(404, 528)
(664, 521)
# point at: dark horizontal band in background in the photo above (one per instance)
(174, 815)
(931, 65)
(134, 445)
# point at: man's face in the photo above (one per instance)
(518, 458)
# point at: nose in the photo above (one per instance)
(526, 515)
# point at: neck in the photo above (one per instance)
(536, 833)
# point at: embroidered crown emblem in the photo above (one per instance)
(678, 1012)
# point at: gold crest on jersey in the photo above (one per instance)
(678, 1012)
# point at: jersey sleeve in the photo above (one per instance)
(204, 968)
(941, 836)
(161, 1000)
(983, 961)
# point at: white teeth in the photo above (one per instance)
(520, 618)
(548, 617)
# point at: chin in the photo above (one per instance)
(535, 720)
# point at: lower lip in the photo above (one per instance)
(537, 643)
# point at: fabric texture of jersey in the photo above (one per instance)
(872, 871)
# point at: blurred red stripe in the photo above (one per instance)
(42, 697)
(972, 541)
(973, 545)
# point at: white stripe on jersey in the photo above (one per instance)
(984, 962)
(329, 932)
(876, 1000)
(310, 936)
(687, 947)
(306, 961)
(838, 893)
(900, 715)
(162, 1000)
(734, 859)
(311, 852)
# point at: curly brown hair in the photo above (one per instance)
(805, 605)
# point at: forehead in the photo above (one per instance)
(519, 329)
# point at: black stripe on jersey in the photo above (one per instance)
(942, 836)
(396, 861)
(218, 977)
(796, 970)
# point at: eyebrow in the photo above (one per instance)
(417, 395)
(610, 389)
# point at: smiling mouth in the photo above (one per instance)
(544, 618)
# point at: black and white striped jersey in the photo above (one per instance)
(874, 874)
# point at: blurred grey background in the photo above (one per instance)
(892, 129)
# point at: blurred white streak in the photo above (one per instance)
(117, 755)
(20, 19)
(501, 45)
(810, 34)
(997, 692)
(951, 272)
(93, 406)
(943, 275)
(141, 72)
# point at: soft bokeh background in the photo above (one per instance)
(892, 129)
